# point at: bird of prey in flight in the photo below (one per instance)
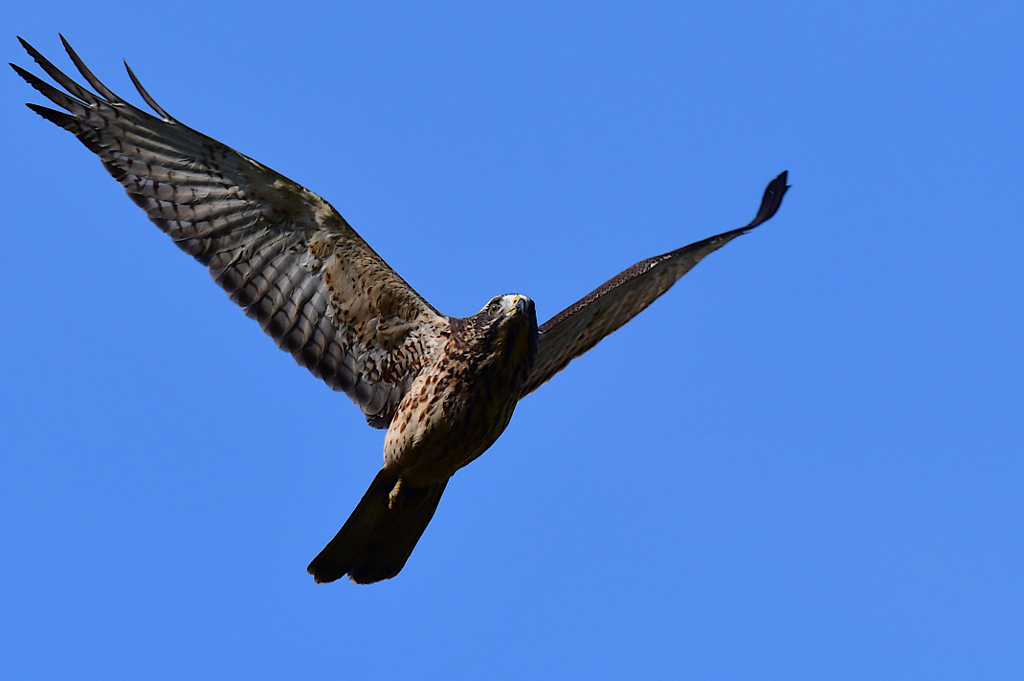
(443, 387)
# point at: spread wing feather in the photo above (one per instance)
(580, 326)
(280, 251)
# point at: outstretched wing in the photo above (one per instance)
(280, 251)
(580, 326)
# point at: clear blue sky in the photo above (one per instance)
(804, 462)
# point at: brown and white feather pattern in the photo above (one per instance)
(280, 251)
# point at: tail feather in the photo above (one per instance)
(376, 540)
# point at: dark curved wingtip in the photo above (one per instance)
(772, 199)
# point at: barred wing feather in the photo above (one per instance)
(280, 251)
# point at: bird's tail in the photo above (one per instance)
(379, 536)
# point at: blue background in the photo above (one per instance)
(804, 462)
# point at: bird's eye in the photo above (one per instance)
(494, 308)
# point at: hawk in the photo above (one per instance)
(443, 387)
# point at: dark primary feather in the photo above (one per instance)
(254, 230)
(580, 326)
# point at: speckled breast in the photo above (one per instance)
(459, 405)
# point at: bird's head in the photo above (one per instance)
(505, 308)
(508, 324)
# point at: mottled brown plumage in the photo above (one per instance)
(456, 408)
(444, 387)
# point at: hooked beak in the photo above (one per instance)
(518, 306)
